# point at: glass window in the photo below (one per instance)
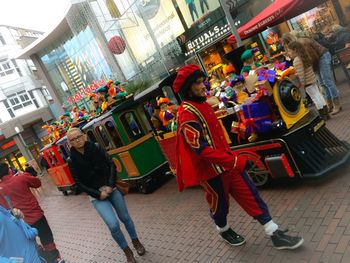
(113, 133)
(131, 125)
(103, 135)
(6, 66)
(19, 100)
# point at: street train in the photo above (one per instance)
(144, 155)
(300, 146)
(125, 133)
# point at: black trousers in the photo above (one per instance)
(50, 252)
(44, 231)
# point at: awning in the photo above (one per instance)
(274, 14)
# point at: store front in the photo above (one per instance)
(205, 42)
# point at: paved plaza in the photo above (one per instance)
(175, 227)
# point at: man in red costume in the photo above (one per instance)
(204, 158)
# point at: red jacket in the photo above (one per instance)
(17, 188)
(202, 150)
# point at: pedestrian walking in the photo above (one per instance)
(17, 188)
(94, 173)
(30, 169)
(204, 158)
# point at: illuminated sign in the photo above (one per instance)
(79, 95)
(8, 145)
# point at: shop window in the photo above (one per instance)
(91, 137)
(113, 133)
(103, 135)
(131, 125)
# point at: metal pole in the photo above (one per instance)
(231, 23)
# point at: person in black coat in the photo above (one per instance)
(94, 173)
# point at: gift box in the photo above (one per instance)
(257, 118)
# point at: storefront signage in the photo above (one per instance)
(206, 38)
(206, 32)
(8, 145)
(263, 22)
(85, 91)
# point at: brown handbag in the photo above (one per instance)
(122, 186)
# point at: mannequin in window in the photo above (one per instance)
(202, 3)
(192, 8)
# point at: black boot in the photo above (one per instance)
(129, 255)
(232, 238)
(282, 241)
(140, 249)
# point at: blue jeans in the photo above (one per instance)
(105, 209)
(326, 78)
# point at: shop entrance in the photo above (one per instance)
(213, 61)
(15, 160)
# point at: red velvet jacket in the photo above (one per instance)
(202, 150)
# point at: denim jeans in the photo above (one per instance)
(325, 76)
(106, 211)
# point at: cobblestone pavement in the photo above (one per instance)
(175, 227)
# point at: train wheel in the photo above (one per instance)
(258, 172)
(143, 188)
(256, 169)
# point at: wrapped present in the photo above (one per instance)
(257, 118)
(239, 129)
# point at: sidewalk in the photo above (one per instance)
(175, 227)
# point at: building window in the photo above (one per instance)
(5, 67)
(9, 109)
(18, 101)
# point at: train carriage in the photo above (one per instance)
(125, 133)
(56, 155)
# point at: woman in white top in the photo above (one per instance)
(303, 67)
